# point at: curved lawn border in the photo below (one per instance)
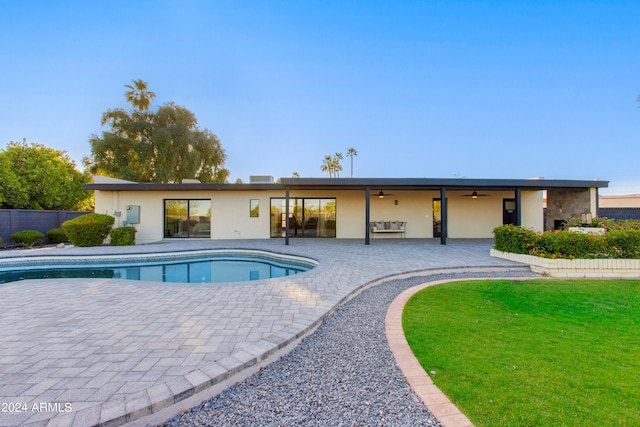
(436, 401)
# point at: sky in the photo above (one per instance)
(438, 89)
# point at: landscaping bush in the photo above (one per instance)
(510, 238)
(623, 243)
(123, 236)
(615, 243)
(566, 244)
(57, 235)
(88, 230)
(28, 238)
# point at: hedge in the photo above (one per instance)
(57, 235)
(510, 238)
(88, 230)
(28, 238)
(565, 244)
(123, 236)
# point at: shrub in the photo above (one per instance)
(615, 243)
(57, 235)
(510, 238)
(28, 238)
(123, 236)
(623, 243)
(88, 230)
(566, 244)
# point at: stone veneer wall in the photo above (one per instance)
(565, 204)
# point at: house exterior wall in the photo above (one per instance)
(230, 214)
(533, 210)
(230, 211)
(414, 207)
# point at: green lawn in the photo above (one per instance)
(532, 353)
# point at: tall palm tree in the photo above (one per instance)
(139, 96)
(337, 167)
(327, 165)
(351, 152)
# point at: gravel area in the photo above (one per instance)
(342, 375)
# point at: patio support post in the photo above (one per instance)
(518, 206)
(367, 215)
(286, 216)
(443, 216)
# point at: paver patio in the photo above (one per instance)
(116, 350)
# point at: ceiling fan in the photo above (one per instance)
(475, 195)
(381, 194)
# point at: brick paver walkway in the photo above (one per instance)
(84, 352)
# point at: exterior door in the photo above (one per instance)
(508, 211)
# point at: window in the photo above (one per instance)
(187, 218)
(254, 208)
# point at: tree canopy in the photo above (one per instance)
(163, 146)
(33, 176)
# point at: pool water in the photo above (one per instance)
(211, 270)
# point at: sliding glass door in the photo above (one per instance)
(187, 218)
(307, 217)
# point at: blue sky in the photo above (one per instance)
(480, 89)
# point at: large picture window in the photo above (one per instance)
(307, 217)
(187, 218)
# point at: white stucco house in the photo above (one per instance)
(342, 208)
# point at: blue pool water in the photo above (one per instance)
(208, 270)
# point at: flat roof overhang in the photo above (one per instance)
(363, 183)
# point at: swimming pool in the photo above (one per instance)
(175, 268)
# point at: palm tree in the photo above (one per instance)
(139, 96)
(351, 152)
(327, 165)
(337, 167)
(295, 175)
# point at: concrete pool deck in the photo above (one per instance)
(85, 352)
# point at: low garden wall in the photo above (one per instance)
(593, 268)
(612, 250)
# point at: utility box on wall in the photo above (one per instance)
(133, 214)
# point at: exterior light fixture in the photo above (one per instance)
(381, 194)
(474, 195)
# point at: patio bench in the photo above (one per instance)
(388, 227)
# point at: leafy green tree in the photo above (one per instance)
(164, 146)
(34, 176)
(12, 193)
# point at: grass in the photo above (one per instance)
(532, 353)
